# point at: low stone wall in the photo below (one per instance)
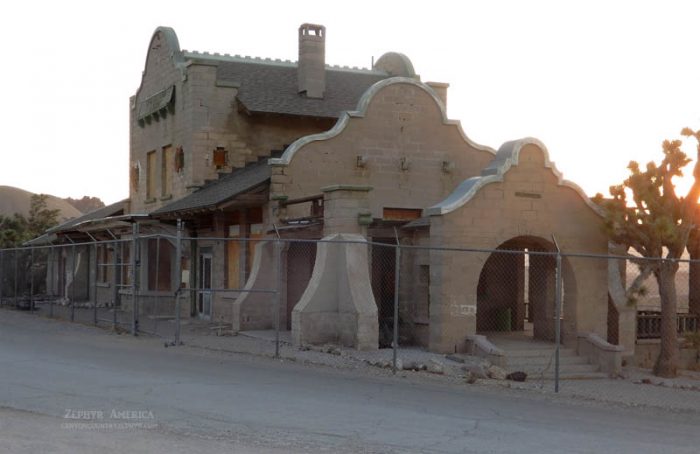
(600, 352)
(647, 350)
(478, 345)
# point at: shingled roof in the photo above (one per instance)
(269, 86)
(114, 209)
(218, 191)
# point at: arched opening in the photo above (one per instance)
(517, 289)
(301, 258)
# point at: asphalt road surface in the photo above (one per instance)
(71, 388)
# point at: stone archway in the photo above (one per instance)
(516, 289)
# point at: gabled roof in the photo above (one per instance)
(272, 88)
(219, 191)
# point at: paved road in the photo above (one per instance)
(185, 400)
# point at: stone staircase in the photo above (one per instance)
(537, 358)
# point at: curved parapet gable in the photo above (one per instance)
(395, 64)
(361, 111)
(506, 157)
(163, 36)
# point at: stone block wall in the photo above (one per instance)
(203, 116)
(401, 145)
(528, 202)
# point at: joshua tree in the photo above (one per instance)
(657, 223)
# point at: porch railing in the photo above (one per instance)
(649, 324)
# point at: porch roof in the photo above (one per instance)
(112, 210)
(212, 195)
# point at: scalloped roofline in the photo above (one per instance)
(173, 43)
(506, 157)
(407, 64)
(361, 111)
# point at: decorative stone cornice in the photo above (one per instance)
(361, 111)
(508, 156)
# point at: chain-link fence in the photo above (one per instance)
(525, 307)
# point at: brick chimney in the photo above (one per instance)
(311, 74)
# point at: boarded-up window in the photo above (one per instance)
(401, 214)
(166, 170)
(256, 232)
(220, 157)
(244, 237)
(135, 177)
(179, 159)
(233, 250)
(151, 175)
(126, 268)
(160, 255)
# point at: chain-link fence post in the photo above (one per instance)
(54, 279)
(278, 292)
(94, 284)
(31, 280)
(16, 283)
(116, 280)
(557, 316)
(134, 274)
(72, 284)
(397, 273)
(2, 275)
(178, 279)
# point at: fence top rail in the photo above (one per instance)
(628, 257)
(63, 245)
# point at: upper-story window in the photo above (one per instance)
(151, 175)
(166, 171)
(179, 159)
(220, 158)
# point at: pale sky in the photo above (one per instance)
(599, 82)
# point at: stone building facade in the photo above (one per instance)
(246, 148)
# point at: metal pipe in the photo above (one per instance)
(116, 276)
(94, 285)
(557, 315)
(54, 275)
(154, 304)
(2, 275)
(134, 309)
(31, 280)
(397, 270)
(178, 279)
(72, 285)
(16, 251)
(278, 294)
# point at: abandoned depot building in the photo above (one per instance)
(251, 148)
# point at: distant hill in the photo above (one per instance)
(86, 204)
(15, 200)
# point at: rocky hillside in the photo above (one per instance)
(86, 204)
(15, 200)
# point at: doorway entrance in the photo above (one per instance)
(383, 272)
(301, 257)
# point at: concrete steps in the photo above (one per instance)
(537, 359)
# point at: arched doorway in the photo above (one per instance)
(517, 288)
